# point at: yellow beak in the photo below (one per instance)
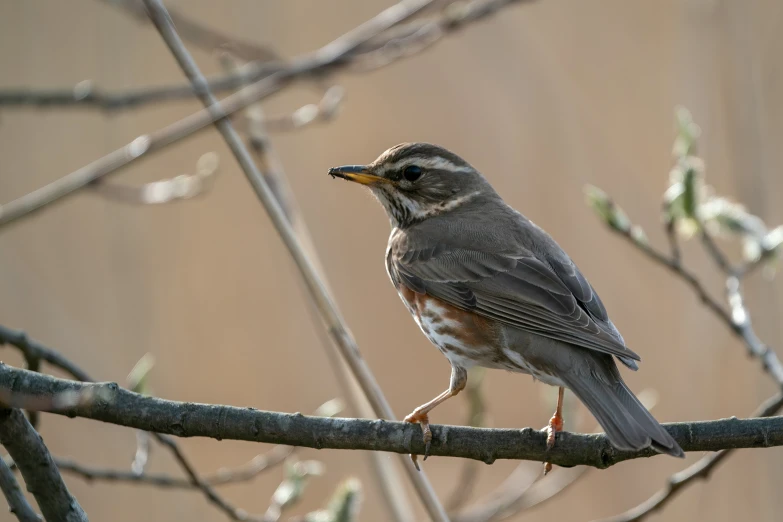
(357, 173)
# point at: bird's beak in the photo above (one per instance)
(358, 173)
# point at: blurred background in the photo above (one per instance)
(542, 98)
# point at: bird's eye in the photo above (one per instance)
(412, 173)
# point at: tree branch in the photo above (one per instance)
(384, 48)
(699, 470)
(37, 467)
(118, 406)
(331, 57)
(222, 477)
(33, 349)
(315, 284)
(17, 503)
(738, 321)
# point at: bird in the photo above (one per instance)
(490, 288)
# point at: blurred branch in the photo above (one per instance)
(691, 207)
(17, 503)
(118, 406)
(316, 285)
(388, 44)
(388, 477)
(209, 492)
(222, 477)
(183, 186)
(198, 34)
(86, 395)
(38, 469)
(519, 492)
(738, 320)
(476, 413)
(528, 486)
(343, 506)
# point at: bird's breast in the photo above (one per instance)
(464, 337)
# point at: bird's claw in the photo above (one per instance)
(423, 420)
(555, 425)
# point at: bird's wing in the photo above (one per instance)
(515, 287)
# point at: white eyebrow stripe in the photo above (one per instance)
(428, 162)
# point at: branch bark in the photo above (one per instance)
(17, 503)
(118, 406)
(40, 473)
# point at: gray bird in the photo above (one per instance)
(489, 288)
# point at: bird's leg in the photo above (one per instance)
(459, 378)
(555, 425)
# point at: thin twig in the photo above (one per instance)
(116, 405)
(742, 329)
(388, 477)
(202, 36)
(209, 492)
(699, 470)
(34, 349)
(23, 343)
(222, 477)
(324, 300)
(385, 47)
(38, 469)
(331, 57)
(738, 321)
(17, 503)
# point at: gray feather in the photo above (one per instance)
(528, 283)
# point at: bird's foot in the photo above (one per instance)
(421, 418)
(555, 425)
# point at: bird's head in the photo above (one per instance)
(414, 181)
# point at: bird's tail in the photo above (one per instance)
(626, 421)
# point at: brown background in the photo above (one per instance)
(542, 99)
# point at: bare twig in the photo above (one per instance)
(385, 47)
(38, 469)
(34, 349)
(324, 300)
(332, 56)
(181, 187)
(17, 503)
(738, 321)
(209, 492)
(61, 400)
(699, 470)
(524, 488)
(198, 34)
(118, 406)
(222, 477)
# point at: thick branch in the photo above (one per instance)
(37, 467)
(17, 503)
(129, 409)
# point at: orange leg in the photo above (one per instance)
(555, 425)
(459, 378)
